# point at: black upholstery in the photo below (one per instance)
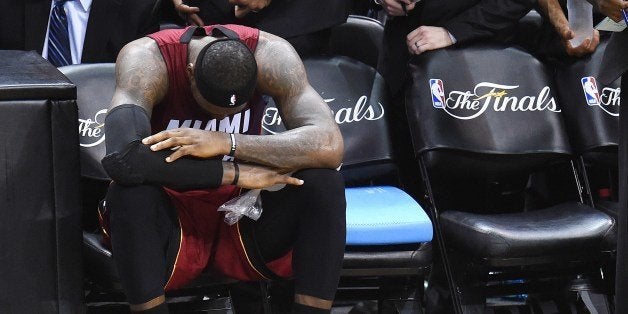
(495, 141)
(100, 265)
(360, 38)
(96, 85)
(592, 122)
(357, 96)
(472, 136)
(487, 116)
(382, 258)
(568, 228)
(491, 125)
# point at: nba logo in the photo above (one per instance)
(591, 93)
(438, 93)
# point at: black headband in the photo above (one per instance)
(213, 91)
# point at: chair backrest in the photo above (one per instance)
(360, 38)
(357, 95)
(591, 110)
(484, 109)
(95, 85)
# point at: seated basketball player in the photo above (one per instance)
(183, 138)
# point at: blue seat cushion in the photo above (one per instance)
(385, 215)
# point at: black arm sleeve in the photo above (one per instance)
(129, 162)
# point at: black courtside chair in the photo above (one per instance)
(389, 235)
(360, 38)
(591, 112)
(483, 119)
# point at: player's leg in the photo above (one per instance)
(311, 220)
(143, 227)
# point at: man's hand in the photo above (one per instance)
(395, 7)
(259, 177)
(190, 142)
(611, 8)
(559, 21)
(427, 38)
(587, 46)
(243, 7)
(188, 13)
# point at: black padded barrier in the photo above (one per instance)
(477, 90)
(40, 215)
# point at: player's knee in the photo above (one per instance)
(324, 189)
(131, 202)
(324, 180)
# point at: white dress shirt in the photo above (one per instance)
(77, 12)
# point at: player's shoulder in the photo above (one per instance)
(143, 49)
(268, 42)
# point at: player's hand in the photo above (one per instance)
(427, 38)
(395, 7)
(611, 8)
(190, 142)
(243, 7)
(259, 177)
(188, 13)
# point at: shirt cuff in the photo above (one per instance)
(453, 39)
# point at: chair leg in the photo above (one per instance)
(472, 299)
(471, 287)
(408, 307)
(596, 303)
(401, 296)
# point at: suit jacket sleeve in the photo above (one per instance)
(487, 18)
(114, 23)
(615, 60)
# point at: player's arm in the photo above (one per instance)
(141, 75)
(141, 83)
(312, 139)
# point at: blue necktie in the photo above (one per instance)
(59, 52)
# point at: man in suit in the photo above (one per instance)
(416, 27)
(111, 25)
(305, 24)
